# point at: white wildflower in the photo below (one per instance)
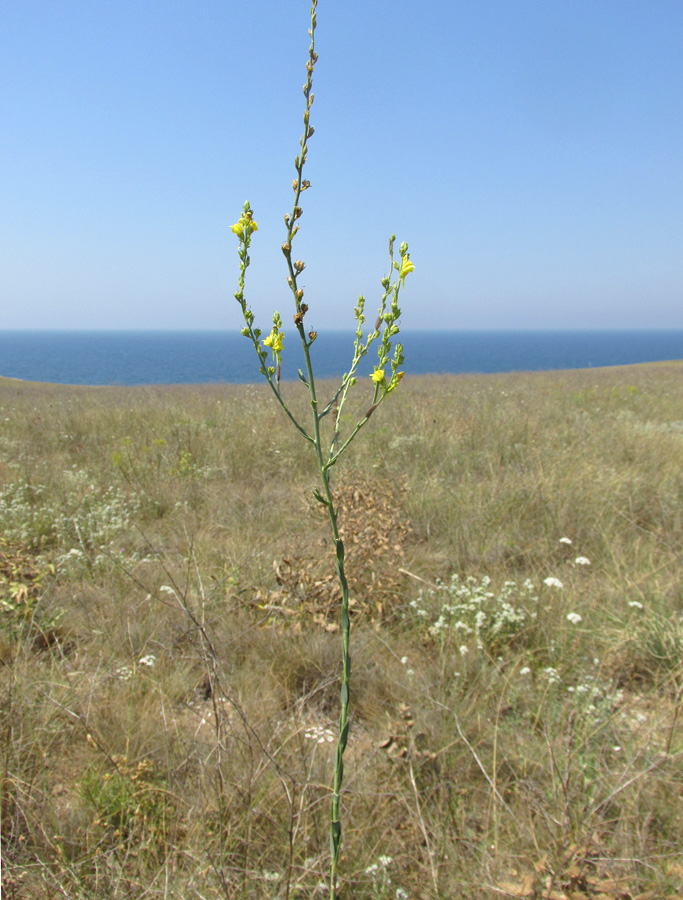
(635, 604)
(574, 618)
(565, 540)
(551, 581)
(319, 735)
(149, 660)
(271, 876)
(582, 561)
(552, 675)
(125, 673)
(525, 671)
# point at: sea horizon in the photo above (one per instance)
(164, 356)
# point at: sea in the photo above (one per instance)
(196, 357)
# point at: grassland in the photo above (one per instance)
(169, 659)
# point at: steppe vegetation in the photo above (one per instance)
(169, 667)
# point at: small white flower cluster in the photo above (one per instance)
(404, 662)
(580, 560)
(125, 673)
(553, 582)
(380, 877)
(270, 876)
(574, 618)
(319, 734)
(552, 676)
(595, 696)
(469, 612)
(28, 511)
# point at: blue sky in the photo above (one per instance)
(530, 152)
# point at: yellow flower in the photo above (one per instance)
(378, 376)
(405, 269)
(243, 225)
(275, 341)
(395, 380)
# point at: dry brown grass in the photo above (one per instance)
(169, 666)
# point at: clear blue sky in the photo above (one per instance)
(530, 152)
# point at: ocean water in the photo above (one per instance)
(158, 357)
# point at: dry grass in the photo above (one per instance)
(169, 664)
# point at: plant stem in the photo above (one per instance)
(328, 501)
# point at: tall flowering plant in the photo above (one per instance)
(328, 450)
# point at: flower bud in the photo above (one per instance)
(299, 266)
(295, 184)
(286, 248)
(312, 335)
(299, 294)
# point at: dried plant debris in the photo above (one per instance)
(581, 873)
(22, 577)
(376, 533)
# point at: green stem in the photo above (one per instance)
(328, 501)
